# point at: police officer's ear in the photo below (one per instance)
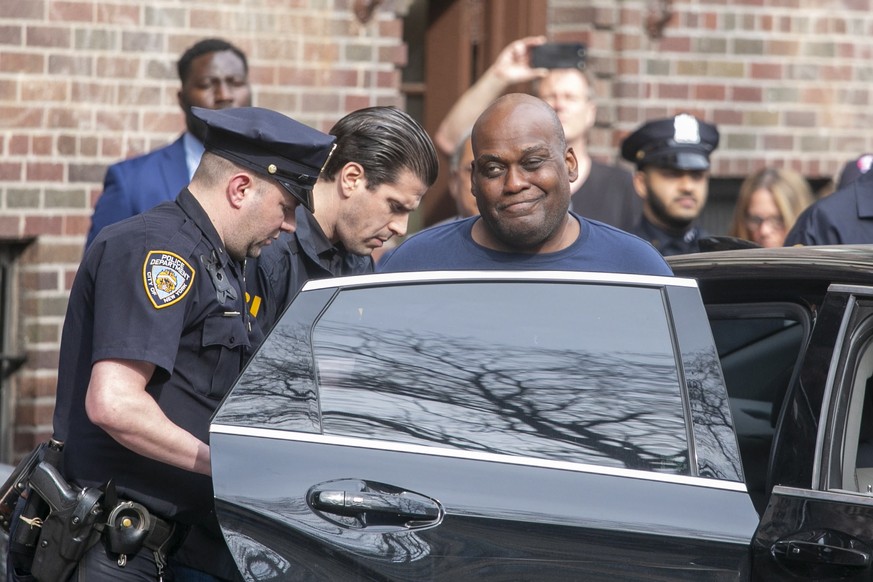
(640, 184)
(352, 178)
(239, 186)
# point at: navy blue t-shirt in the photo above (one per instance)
(599, 248)
(160, 288)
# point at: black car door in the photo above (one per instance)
(818, 524)
(454, 427)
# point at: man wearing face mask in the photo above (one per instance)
(672, 178)
(213, 75)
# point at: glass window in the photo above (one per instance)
(562, 371)
(758, 347)
(854, 472)
(11, 358)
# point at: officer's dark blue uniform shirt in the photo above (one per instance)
(666, 243)
(158, 287)
(844, 217)
(283, 267)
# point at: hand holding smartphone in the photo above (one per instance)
(558, 55)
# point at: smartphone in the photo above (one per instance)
(558, 55)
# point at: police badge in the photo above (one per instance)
(167, 277)
(686, 129)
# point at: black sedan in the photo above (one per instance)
(560, 426)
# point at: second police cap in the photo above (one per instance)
(681, 142)
(269, 143)
(854, 169)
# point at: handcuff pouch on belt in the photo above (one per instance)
(130, 527)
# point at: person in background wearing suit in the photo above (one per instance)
(214, 75)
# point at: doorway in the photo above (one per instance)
(450, 43)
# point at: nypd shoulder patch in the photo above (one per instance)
(167, 278)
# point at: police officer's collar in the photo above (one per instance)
(191, 207)
(312, 242)
(862, 188)
(310, 236)
(661, 239)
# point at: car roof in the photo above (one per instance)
(854, 262)
(766, 274)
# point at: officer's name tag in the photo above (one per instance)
(167, 278)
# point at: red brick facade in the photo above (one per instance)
(85, 83)
(789, 82)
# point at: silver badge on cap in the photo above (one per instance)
(686, 129)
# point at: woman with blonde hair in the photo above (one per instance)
(769, 203)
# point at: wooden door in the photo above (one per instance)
(461, 40)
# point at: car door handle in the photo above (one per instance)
(816, 552)
(355, 503)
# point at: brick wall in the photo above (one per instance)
(85, 83)
(787, 81)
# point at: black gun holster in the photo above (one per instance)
(60, 523)
(15, 486)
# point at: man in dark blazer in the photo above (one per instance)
(214, 75)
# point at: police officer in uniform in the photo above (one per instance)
(157, 330)
(844, 217)
(383, 164)
(672, 178)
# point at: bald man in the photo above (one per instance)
(600, 191)
(522, 176)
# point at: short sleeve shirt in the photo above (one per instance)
(599, 248)
(158, 287)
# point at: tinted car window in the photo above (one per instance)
(561, 371)
(758, 347)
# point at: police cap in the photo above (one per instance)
(270, 144)
(854, 170)
(681, 142)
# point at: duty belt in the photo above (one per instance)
(69, 520)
